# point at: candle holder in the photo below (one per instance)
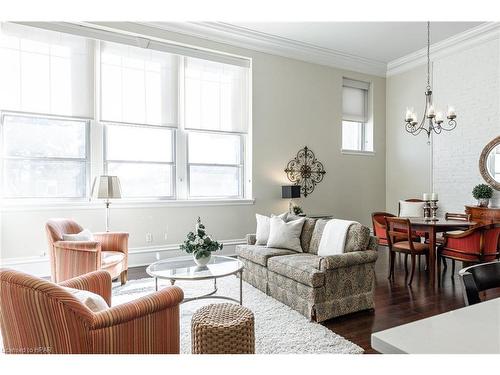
(427, 210)
(433, 208)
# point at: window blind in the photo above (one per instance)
(216, 96)
(138, 85)
(355, 100)
(45, 72)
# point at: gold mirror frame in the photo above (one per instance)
(483, 168)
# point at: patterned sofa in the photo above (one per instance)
(318, 287)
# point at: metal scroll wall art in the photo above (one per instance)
(305, 170)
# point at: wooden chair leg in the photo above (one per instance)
(452, 268)
(419, 261)
(392, 257)
(445, 264)
(406, 264)
(438, 264)
(413, 259)
(123, 277)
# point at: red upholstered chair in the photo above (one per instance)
(68, 259)
(477, 245)
(38, 316)
(378, 221)
(395, 229)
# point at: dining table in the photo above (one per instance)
(431, 227)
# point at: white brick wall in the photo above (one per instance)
(470, 81)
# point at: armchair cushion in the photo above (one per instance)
(98, 282)
(110, 258)
(92, 246)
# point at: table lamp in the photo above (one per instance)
(108, 187)
(290, 192)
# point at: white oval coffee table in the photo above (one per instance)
(185, 269)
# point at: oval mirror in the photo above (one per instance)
(489, 163)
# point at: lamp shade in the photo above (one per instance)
(108, 187)
(290, 191)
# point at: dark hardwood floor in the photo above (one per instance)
(395, 302)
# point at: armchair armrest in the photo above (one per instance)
(353, 258)
(168, 297)
(251, 239)
(113, 241)
(98, 282)
(89, 246)
(150, 324)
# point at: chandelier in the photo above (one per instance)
(432, 120)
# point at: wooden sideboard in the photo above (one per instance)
(483, 215)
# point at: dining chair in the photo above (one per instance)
(478, 278)
(38, 316)
(476, 245)
(394, 228)
(440, 240)
(378, 222)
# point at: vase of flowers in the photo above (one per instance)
(482, 193)
(200, 244)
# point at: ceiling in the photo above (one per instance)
(379, 41)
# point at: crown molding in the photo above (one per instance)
(459, 42)
(250, 39)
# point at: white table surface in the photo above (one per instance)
(473, 329)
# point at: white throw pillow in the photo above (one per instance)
(84, 235)
(411, 209)
(93, 301)
(285, 235)
(262, 232)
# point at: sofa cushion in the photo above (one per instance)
(260, 254)
(303, 268)
(357, 237)
(307, 231)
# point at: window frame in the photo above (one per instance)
(87, 160)
(362, 140)
(96, 162)
(172, 163)
(241, 166)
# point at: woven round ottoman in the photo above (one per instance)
(223, 328)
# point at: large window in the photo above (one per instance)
(171, 122)
(44, 157)
(357, 134)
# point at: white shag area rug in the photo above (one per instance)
(278, 328)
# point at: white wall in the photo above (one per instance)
(408, 165)
(294, 104)
(469, 80)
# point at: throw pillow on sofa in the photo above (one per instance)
(263, 226)
(285, 235)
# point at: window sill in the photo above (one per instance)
(121, 204)
(357, 152)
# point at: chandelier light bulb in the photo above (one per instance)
(451, 112)
(439, 117)
(431, 112)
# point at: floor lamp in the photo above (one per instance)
(108, 187)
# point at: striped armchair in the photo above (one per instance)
(68, 259)
(38, 316)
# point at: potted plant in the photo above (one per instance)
(200, 244)
(482, 193)
(297, 210)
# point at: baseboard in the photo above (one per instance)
(138, 256)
